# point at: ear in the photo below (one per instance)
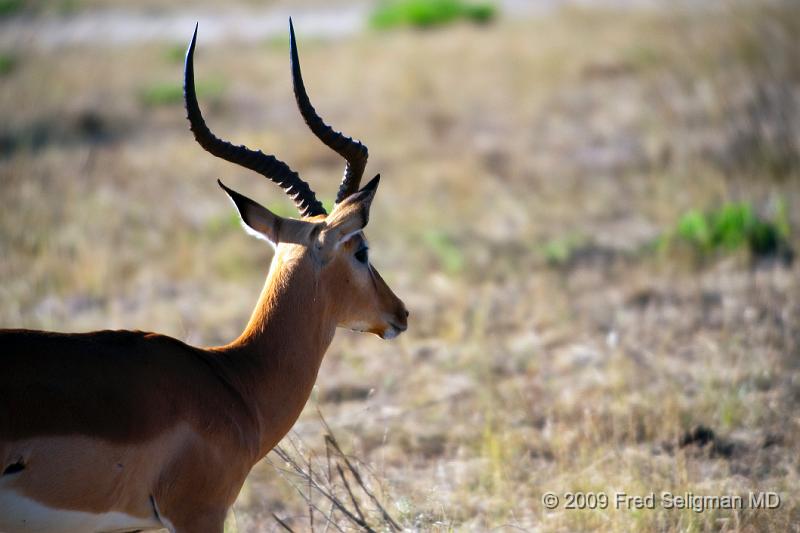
(351, 215)
(264, 224)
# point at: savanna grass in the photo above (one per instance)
(526, 368)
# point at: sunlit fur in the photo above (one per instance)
(142, 425)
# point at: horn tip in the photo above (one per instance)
(294, 60)
(190, 50)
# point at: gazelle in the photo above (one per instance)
(128, 431)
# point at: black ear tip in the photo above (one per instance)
(373, 184)
(238, 199)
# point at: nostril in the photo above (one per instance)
(407, 313)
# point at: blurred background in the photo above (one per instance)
(589, 206)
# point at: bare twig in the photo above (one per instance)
(329, 438)
(329, 518)
(284, 474)
(309, 476)
(283, 524)
(310, 508)
(350, 492)
(314, 477)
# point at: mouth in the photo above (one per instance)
(393, 331)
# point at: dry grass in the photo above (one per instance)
(518, 375)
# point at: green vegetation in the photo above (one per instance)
(175, 53)
(558, 252)
(67, 7)
(220, 225)
(9, 7)
(643, 57)
(7, 63)
(162, 94)
(448, 253)
(429, 13)
(168, 93)
(730, 228)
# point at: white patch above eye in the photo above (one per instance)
(349, 236)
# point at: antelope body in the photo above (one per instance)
(128, 430)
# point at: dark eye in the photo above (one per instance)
(361, 255)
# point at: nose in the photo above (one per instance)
(402, 318)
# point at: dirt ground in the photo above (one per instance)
(530, 169)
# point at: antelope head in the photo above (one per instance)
(331, 245)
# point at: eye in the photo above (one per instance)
(361, 255)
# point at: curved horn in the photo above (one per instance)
(266, 165)
(352, 150)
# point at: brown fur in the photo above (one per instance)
(105, 421)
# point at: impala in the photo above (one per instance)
(129, 431)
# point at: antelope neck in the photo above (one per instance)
(279, 353)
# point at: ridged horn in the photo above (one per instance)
(266, 165)
(353, 151)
